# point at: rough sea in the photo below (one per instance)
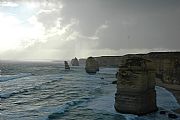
(45, 91)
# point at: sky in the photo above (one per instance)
(64, 29)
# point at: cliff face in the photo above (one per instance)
(136, 87)
(167, 66)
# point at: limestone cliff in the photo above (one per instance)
(167, 66)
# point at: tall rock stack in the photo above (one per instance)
(75, 62)
(66, 65)
(91, 65)
(136, 87)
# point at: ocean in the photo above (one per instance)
(46, 91)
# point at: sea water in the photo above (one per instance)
(45, 91)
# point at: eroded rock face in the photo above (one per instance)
(75, 62)
(136, 87)
(66, 65)
(91, 65)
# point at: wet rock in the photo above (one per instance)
(66, 65)
(114, 82)
(173, 116)
(91, 66)
(75, 62)
(162, 112)
(136, 87)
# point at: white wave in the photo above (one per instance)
(11, 77)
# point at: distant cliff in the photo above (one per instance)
(109, 61)
(82, 61)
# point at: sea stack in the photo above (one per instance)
(91, 65)
(75, 62)
(136, 87)
(66, 65)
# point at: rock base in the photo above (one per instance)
(136, 103)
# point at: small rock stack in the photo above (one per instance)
(66, 65)
(136, 87)
(91, 65)
(75, 62)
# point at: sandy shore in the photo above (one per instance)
(174, 89)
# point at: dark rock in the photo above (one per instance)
(114, 82)
(162, 112)
(170, 115)
(66, 65)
